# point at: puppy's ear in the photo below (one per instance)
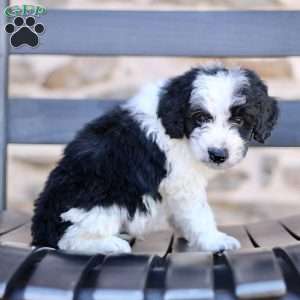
(266, 119)
(266, 109)
(174, 101)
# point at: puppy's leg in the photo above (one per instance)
(193, 219)
(104, 245)
(94, 231)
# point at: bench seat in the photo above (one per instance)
(161, 266)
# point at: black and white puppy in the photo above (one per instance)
(147, 156)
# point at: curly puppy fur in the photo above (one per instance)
(145, 160)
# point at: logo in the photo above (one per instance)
(24, 30)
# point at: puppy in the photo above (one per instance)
(147, 156)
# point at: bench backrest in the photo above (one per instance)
(139, 33)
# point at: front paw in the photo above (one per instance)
(217, 242)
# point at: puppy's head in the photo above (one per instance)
(218, 111)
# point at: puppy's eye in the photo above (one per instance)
(237, 121)
(201, 118)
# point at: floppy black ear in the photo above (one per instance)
(266, 109)
(174, 101)
(266, 118)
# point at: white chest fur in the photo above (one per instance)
(184, 184)
(185, 174)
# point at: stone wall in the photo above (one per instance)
(265, 184)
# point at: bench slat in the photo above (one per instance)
(10, 220)
(292, 224)
(10, 261)
(56, 121)
(240, 233)
(17, 280)
(292, 254)
(189, 276)
(122, 277)
(181, 245)
(57, 275)
(19, 237)
(270, 234)
(167, 33)
(256, 274)
(51, 121)
(84, 287)
(159, 242)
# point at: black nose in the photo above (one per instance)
(218, 155)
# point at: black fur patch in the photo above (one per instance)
(109, 162)
(174, 104)
(260, 110)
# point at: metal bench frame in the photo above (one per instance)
(268, 266)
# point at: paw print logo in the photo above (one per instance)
(24, 31)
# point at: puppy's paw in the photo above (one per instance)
(217, 242)
(107, 245)
(114, 245)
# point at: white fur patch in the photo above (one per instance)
(96, 230)
(98, 221)
(143, 108)
(217, 94)
(153, 220)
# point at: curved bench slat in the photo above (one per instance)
(122, 277)
(57, 274)
(270, 234)
(292, 253)
(23, 271)
(256, 274)
(10, 261)
(85, 284)
(189, 276)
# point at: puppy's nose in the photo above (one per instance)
(217, 155)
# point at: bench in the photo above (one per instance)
(162, 266)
